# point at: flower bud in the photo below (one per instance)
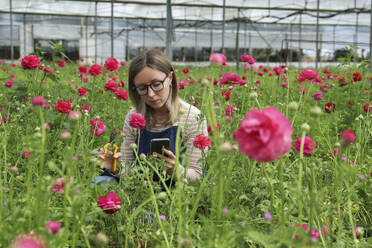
(293, 105)
(162, 195)
(101, 238)
(226, 147)
(305, 127)
(74, 115)
(315, 111)
(133, 146)
(142, 156)
(65, 135)
(253, 95)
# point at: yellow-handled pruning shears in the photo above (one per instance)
(113, 153)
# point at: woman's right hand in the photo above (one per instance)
(108, 160)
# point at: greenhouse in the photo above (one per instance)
(185, 123)
(272, 31)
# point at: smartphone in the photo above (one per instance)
(156, 145)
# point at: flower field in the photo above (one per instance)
(288, 162)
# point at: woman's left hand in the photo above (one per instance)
(170, 160)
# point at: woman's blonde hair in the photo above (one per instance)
(156, 60)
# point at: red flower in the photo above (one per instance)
(309, 146)
(137, 121)
(264, 135)
(122, 63)
(30, 62)
(186, 70)
(329, 107)
(97, 128)
(277, 71)
(348, 136)
(82, 91)
(110, 204)
(367, 107)
(227, 94)
(25, 154)
(61, 63)
(309, 74)
(201, 141)
(111, 86)
(230, 77)
(83, 69)
(247, 58)
(86, 108)
(53, 226)
(9, 84)
(95, 70)
(357, 76)
(111, 64)
(63, 107)
(59, 185)
(122, 94)
(38, 101)
(210, 130)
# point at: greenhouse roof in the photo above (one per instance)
(331, 12)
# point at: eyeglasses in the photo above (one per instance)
(155, 86)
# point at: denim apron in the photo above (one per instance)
(144, 147)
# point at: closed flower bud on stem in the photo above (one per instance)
(305, 127)
(293, 105)
(315, 111)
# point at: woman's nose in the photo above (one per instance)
(150, 92)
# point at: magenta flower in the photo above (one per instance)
(97, 128)
(309, 146)
(53, 226)
(111, 64)
(264, 135)
(59, 185)
(110, 204)
(348, 137)
(38, 101)
(201, 141)
(137, 121)
(318, 96)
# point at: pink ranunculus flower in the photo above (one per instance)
(309, 146)
(348, 137)
(95, 70)
(28, 240)
(137, 121)
(59, 185)
(264, 135)
(111, 64)
(53, 226)
(97, 128)
(246, 58)
(9, 84)
(217, 58)
(110, 204)
(201, 141)
(111, 86)
(122, 94)
(309, 74)
(38, 101)
(230, 77)
(30, 62)
(318, 96)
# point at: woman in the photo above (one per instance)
(154, 93)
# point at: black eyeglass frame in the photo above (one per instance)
(150, 85)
